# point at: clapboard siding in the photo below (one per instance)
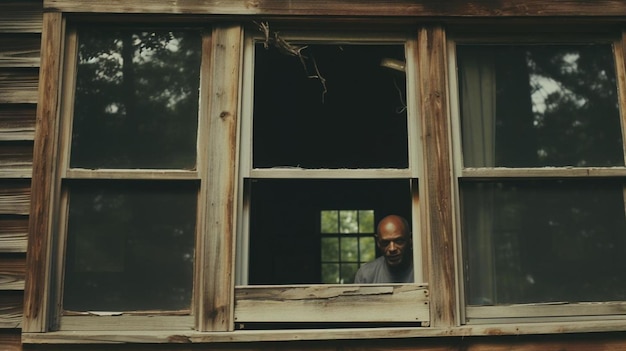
(20, 50)
(17, 122)
(16, 159)
(11, 308)
(13, 233)
(18, 85)
(12, 272)
(20, 42)
(21, 16)
(14, 197)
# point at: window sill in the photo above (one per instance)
(164, 337)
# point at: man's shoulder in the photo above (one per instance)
(368, 271)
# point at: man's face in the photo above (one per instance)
(394, 242)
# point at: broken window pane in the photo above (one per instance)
(338, 107)
(292, 241)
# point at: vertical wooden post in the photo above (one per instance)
(216, 249)
(437, 201)
(37, 294)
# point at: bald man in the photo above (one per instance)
(393, 238)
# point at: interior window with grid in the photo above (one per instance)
(543, 219)
(347, 242)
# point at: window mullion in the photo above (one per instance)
(215, 291)
(437, 203)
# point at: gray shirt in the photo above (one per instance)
(377, 271)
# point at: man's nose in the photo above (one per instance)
(392, 246)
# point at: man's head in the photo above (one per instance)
(393, 238)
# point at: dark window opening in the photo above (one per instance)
(285, 245)
(360, 121)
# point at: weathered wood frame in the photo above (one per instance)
(439, 206)
(329, 303)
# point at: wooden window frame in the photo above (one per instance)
(323, 303)
(433, 76)
(534, 312)
(216, 130)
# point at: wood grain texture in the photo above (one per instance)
(13, 233)
(14, 197)
(374, 339)
(11, 340)
(11, 307)
(17, 122)
(21, 16)
(18, 86)
(323, 303)
(420, 8)
(437, 200)
(20, 50)
(12, 272)
(218, 188)
(36, 286)
(16, 159)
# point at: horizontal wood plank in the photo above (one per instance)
(378, 338)
(554, 309)
(20, 50)
(13, 233)
(11, 340)
(21, 16)
(14, 198)
(18, 85)
(11, 307)
(12, 272)
(505, 8)
(16, 159)
(543, 172)
(326, 303)
(17, 122)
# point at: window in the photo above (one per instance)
(347, 238)
(542, 213)
(129, 185)
(329, 124)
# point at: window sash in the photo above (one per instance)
(327, 302)
(534, 312)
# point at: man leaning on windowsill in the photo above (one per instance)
(393, 238)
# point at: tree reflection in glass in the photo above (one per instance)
(539, 105)
(136, 99)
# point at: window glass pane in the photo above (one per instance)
(348, 270)
(286, 243)
(353, 117)
(544, 241)
(130, 246)
(330, 273)
(330, 221)
(349, 249)
(349, 221)
(539, 105)
(366, 221)
(367, 249)
(330, 249)
(136, 99)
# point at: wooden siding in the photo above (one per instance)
(20, 41)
